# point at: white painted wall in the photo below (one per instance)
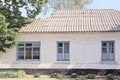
(85, 51)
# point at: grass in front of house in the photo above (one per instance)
(21, 75)
(44, 77)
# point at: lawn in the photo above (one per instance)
(44, 77)
(21, 75)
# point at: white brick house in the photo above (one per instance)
(70, 39)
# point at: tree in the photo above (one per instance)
(11, 19)
(53, 5)
(69, 4)
(7, 36)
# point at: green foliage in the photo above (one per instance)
(37, 75)
(70, 4)
(110, 76)
(21, 73)
(56, 75)
(11, 74)
(11, 19)
(65, 5)
(90, 76)
(7, 35)
(74, 75)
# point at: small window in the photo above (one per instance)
(36, 53)
(28, 51)
(63, 51)
(28, 44)
(21, 44)
(60, 45)
(108, 51)
(21, 53)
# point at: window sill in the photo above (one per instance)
(18, 60)
(108, 62)
(28, 61)
(62, 62)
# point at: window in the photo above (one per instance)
(28, 51)
(62, 51)
(108, 51)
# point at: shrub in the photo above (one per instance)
(90, 76)
(74, 75)
(56, 75)
(21, 73)
(37, 75)
(12, 74)
(110, 76)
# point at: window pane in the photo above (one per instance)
(28, 53)
(111, 47)
(104, 50)
(60, 44)
(104, 44)
(60, 50)
(36, 53)
(66, 47)
(36, 44)
(107, 52)
(28, 44)
(60, 57)
(20, 53)
(66, 57)
(21, 44)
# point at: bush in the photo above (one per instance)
(110, 76)
(12, 74)
(37, 75)
(21, 73)
(90, 76)
(74, 75)
(56, 75)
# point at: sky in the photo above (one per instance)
(96, 4)
(105, 4)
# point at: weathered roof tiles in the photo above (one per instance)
(87, 20)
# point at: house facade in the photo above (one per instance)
(69, 39)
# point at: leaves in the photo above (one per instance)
(11, 20)
(70, 4)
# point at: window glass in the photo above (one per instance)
(60, 50)
(28, 53)
(60, 44)
(108, 51)
(63, 51)
(21, 53)
(36, 53)
(111, 48)
(21, 44)
(104, 44)
(37, 44)
(104, 50)
(28, 44)
(66, 47)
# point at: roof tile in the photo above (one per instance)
(87, 20)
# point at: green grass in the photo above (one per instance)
(12, 74)
(47, 77)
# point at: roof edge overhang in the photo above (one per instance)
(69, 32)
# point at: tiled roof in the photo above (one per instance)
(88, 20)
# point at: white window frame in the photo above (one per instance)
(107, 56)
(63, 52)
(31, 42)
